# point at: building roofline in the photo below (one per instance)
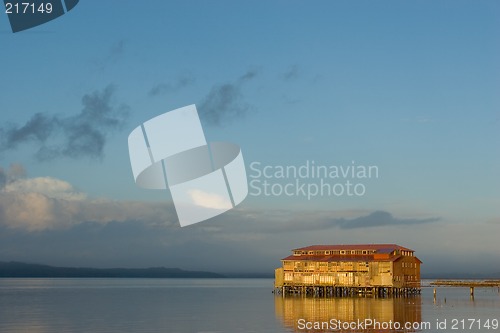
(341, 258)
(353, 247)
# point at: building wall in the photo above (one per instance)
(380, 265)
(407, 272)
(404, 272)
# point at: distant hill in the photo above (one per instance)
(18, 269)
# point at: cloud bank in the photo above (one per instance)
(46, 203)
(47, 220)
(41, 203)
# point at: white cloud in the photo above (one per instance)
(50, 187)
(31, 211)
(209, 200)
(41, 203)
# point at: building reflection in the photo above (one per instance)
(296, 312)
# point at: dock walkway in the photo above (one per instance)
(466, 283)
(471, 284)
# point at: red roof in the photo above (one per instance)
(339, 258)
(353, 247)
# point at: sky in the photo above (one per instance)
(408, 87)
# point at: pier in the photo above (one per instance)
(471, 284)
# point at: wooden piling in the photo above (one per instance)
(344, 291)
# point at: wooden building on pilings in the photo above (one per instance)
(349, 270)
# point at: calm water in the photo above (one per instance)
(218, 305)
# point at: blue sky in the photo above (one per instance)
(411, 87)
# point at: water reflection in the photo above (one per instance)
(301, 314)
